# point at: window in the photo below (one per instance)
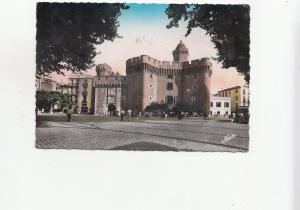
(218, 104)
(195, 86)
(150, 98)
(150, 85)
(236, 105)
(226, 104)
(236, 91)
(169, 86)
(188, 90)
(150, 75)
(195, 76)
(169, 76)
(236, 98)
(226, 94)
(169, 99)
(211, 104)
(193, 98)
(243, 91)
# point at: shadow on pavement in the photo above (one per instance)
(147, 146)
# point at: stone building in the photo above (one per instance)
(181, 84)
(80, 88)
(45, 84)
(239, 96)
(110, 91)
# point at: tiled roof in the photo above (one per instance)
(232, 88)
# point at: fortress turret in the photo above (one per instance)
(181, 53)
(103, 70)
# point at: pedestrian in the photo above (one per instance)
(69, 112)
(129, 114)
(180, 116)
(122, 115)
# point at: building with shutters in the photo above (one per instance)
(239, 96)
(220, 106)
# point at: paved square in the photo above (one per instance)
(147, 135)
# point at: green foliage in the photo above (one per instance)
(45, 100)
(227, 25)
(68, 32)
(183, 107)
(65, 100)
(156, 107)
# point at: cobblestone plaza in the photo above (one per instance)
(144, 135)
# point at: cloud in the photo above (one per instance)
(143, 40)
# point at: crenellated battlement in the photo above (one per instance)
(168, 64)
(145, 63)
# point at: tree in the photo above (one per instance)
(227, 25)
(68, 32)
(183, 107)
(43, 100)
(156, 107)
(65, 100)
(46, 100)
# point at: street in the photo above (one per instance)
(145, 135)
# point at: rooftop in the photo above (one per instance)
(181, 46)
(231, 88)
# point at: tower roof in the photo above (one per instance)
(181, 46)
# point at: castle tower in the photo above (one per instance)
(181, 53)
(103, 70)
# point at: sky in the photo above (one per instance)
(143, 30)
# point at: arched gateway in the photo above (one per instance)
(110, 89)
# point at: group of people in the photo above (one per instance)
(163, 115)
(128, 114)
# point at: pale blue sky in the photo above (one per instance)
(151, 13)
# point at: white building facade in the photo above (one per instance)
(220, 106)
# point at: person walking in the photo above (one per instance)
(122, 115)
(180, 115)
(69, 112)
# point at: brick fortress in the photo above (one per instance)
(180, 84)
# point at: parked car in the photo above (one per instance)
(242, 115)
